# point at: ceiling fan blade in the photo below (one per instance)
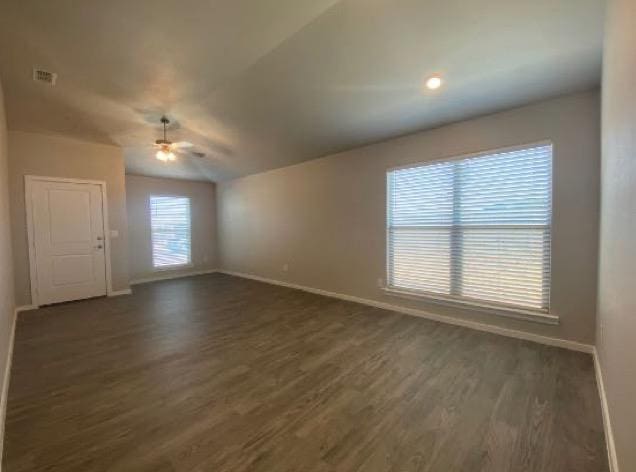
(181, 145)
(189, 153)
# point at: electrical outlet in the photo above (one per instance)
(285, 267)
(380, 283)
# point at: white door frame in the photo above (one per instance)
(28, 199)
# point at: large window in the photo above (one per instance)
(474, 229)
(170, 225)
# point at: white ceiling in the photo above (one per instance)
(260, 84)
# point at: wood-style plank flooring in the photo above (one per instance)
(216, 373)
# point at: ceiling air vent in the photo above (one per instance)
(41, 75)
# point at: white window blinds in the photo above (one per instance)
(474, 229)
(170, 226)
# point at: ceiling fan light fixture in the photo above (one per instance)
(166, 148)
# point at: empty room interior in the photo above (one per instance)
(318, 235)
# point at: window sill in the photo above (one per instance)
(508, 312)
(173, 267)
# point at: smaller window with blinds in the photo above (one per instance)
(171, 231)
(475, 229)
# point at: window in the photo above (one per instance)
(170, 226)
(474, 229)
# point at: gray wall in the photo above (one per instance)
(52, 156)
(616, 336)
(7, 304)
(326, 217)
(203, 209)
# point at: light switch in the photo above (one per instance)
(114, 233)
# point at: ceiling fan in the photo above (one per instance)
(167, 148)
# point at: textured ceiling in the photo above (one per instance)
(262, 84)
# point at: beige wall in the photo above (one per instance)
(616, 336)
(52, 156)
(326, 217)
(7, 304)
(203, 208)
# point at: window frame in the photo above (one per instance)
(187, 265)
(539, 315)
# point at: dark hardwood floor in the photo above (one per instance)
(216, 373)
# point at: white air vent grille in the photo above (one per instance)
(40, 75)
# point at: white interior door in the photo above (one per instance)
(68, 232)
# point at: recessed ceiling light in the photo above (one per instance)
(434, 82)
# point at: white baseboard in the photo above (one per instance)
(171, 275)
(119, 293)
(5, 382)
(511, 333)
(20, 309)
(607, 424)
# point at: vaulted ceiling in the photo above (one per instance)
(260, 84)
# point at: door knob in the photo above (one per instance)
(99, 246)
(99, 238)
